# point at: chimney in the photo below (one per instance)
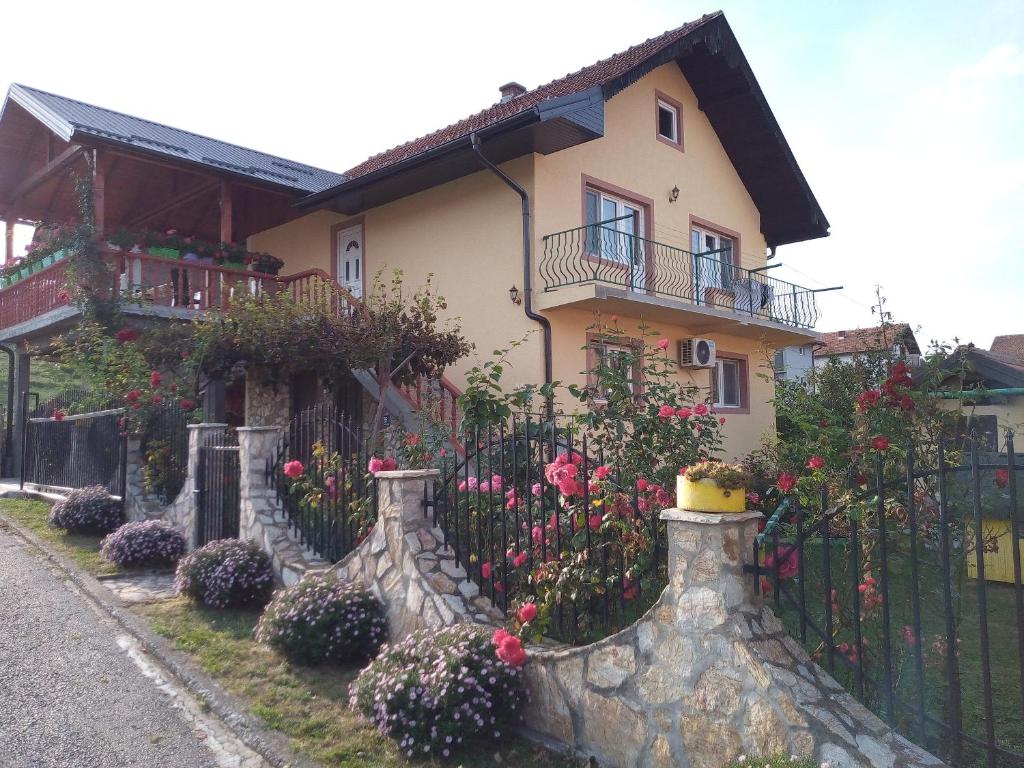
(509, 91)
(842, 334)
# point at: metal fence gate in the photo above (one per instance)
(217, 488)
(76, 451)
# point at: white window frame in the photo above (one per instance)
(719, 374)
(674, 111)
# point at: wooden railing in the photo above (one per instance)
(190, 285)
(35, 295)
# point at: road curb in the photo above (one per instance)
(271, 746)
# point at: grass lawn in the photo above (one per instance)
(309, 705)
(83, 549)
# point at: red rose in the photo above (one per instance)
(641, 485)
(187, 405)
(786, 482)
(527, 612)
(133, 395)
(519, 559)
(126, 335)
(155, 378)
(58, 414)
(485, 570)
(815, 462)
(880, 443)
(390, 465)
(1002, 478)
(510, 650)
(823, 423)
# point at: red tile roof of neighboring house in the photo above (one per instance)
(1009, 344)
(865, 340)
(588, 77)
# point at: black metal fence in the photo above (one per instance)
(332, 505)
(67, 401)
(908, 590)
(164, 447)
(76, 451)
(217, 488)
(595, 555)
(601, 253)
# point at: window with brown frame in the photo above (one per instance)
(730, 387)
(613, 356)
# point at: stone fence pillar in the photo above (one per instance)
(261, 519)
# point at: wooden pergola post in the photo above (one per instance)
(8, 238)
(226, 212)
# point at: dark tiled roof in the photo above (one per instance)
(68, 118)
(1009, 344)
(575, 82)
(864, 340)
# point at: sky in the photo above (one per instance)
(907, 118)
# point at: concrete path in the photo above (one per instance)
(76, 691)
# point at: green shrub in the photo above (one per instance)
(319, 621)
(88, 510)
(226, 574)
(438, 688)
(144, 543)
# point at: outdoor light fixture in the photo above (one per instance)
(673, 195)
(513, 293)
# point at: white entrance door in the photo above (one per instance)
(350, 259)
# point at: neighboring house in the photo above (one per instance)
(648, 187)
(845, 346)
(995, 413)
(793, 363)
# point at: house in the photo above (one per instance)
(896, 339)
(649, 186)
(793, 363)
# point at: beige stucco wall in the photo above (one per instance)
(1009, 415)
(468, 234)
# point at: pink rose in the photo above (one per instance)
(527, 612)
(815, 462)
(601, 473)
(666, 412)
(684, 413)
(293, 469)
(376, 465)
(662, 344)
(535, 489)
(700, 409)
(485, 570)
(390, 465)
(519, 559)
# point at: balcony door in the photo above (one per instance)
(713, 261)
(349, 247)
(615, 233)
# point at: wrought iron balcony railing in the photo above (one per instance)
(600, 253)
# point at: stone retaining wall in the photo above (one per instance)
(706, 675)
(406, 564)
(261, 518)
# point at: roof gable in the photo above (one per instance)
(71, 120)
(860, 340)
(710, 58)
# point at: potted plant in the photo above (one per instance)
(233, 256)
(713, 486)
(168, 245)
(265, 263)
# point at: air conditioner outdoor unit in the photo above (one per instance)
(696, 353)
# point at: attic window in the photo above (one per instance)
(669, 115)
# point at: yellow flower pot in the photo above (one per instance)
(705, 496)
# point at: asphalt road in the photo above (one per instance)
(70, 694)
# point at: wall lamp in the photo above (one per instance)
(513, 294)
(673, 195)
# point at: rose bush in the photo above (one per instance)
(319, 620)
(435, 690)
(144, 543)
(227, 573)
(88, 510)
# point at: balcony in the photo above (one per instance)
(600, 267)
(39, 302)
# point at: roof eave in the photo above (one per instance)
(519, 120)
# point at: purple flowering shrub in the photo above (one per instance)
(319, 621)
(144, 543)
(87, 510)
(227, 573)
(436, 689)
